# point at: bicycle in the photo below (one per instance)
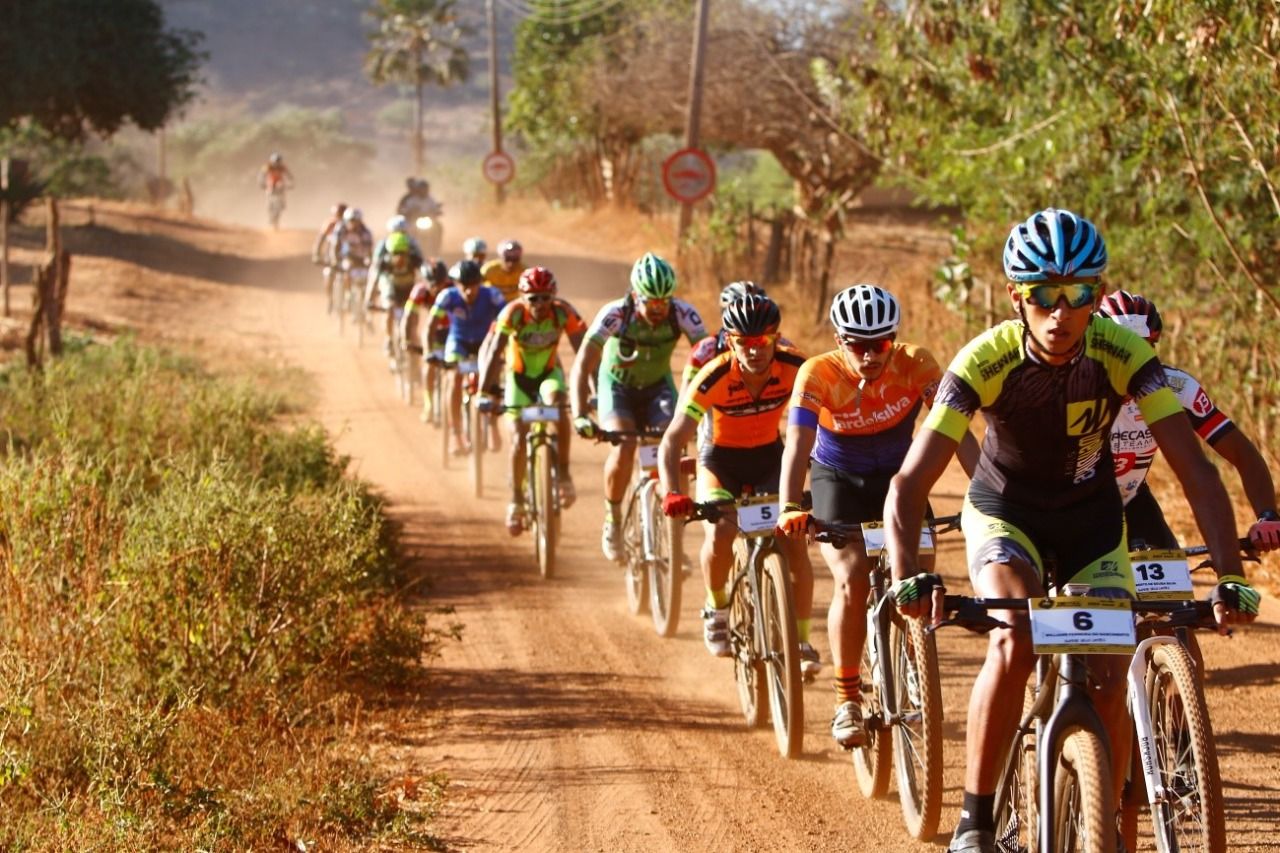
(902, 704)
(653, 545)
(468, 371)
(347, 295)
(1174, 749)
(403, 366)
(433, 386)
(763, 639)
(1058, 764)
(275, 204)
(541, 479)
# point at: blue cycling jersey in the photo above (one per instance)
(468, 324)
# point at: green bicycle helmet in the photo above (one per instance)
(653, 278)
(397, 243)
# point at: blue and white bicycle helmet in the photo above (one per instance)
(865, 311)
(1054, 243)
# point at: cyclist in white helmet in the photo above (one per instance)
(849, 427)
(475, 249)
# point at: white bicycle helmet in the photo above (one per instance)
(738, 290)
(397, 223)
(865, 311)
(474, 246)
(352, 214)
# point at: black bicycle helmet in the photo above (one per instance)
(437, 272)
(466, 272)
(751, 315)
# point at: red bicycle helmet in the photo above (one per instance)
(537, 280)
(1133, 312)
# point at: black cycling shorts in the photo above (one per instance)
(1145, 520)
(846, 498)
(723, 472)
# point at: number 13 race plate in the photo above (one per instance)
(1161, 575)
(1082, 625)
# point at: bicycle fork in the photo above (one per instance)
(647, 526)
(1140, 710)
(1074, 710)
(879, 619)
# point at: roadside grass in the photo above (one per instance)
(196, 607)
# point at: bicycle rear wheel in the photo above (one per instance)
(1016, 793)
(546, 508)
(635, 575)
(782, 655)
(1185, 756)
(917, 738)
(664, 571)
(748, 670)
(1084, 803)
(479, 423)
(873, 760)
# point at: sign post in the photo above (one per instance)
(499, 168)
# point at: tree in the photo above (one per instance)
(80, 66)
(417, 43)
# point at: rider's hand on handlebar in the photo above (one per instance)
(676, 505)
(1235, 602)
(1265, 534)
(919, 596)
(793, 523)
(585, 427)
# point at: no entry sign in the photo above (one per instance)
(689, 175)
(499, 168)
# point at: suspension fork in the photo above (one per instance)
(646, 518)
(1140, 711)
(1074, 709)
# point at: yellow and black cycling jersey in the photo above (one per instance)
(1048, 426)
(495, 274)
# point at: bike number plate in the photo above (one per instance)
(758, 518)
(1161, 575)
(873, 536)
(1082, 625)
(647, 455)
(539, 414)
(468, 366)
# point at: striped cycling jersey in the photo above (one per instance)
(1048, 426)
(864, 427)
(739, 419)
(531, 344)
(1133, 447)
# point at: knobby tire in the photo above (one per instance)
(635, 575)
(1084, 803)
(782, 655)
(664, 572)
(748, 667)
(479, 426)
(873, 760)
(917, 738)
(1017, 792)
(546, 507)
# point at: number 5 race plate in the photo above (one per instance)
(759, 515)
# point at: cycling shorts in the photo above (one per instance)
(525, 390)
(651, 406)
(847, 498)
(1145, 520)
(437, 336)
(391, 294)
(1085, 541)
(456, 350)
(724, 471)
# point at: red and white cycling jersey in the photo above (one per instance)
(1132, 446)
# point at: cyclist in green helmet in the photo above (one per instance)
(628, 352)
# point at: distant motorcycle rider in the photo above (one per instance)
(423, 213)
(275, 175)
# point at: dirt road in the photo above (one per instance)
(563, 722)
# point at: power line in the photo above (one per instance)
(558, 12)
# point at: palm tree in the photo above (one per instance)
(417, 42)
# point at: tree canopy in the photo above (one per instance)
(80, 66)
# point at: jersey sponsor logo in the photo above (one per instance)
(809, 397)
(990, 371)
(1119, 353)
(1202, 405)
(1086, 417)
(1131, 436)
(1176, 381)
(1088, 455)
(858, 420)
(1107, 569)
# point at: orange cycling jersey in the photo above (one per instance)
(864, 427)
(737, 418)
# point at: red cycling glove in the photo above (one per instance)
(1265, 535)
(676, 505)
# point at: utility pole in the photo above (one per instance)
(498, 193)
(691, 136)
(161, 169)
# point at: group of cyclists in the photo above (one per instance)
(1075, 400)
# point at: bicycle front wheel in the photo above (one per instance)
(917, 737)
(1084, 803)
(873, 760)
(782, 655)
(748, 668)
(479, 423)
(1191, 818)
(664, 569)
(635, 575)
(546, 508)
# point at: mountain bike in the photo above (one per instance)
(902, 700)
(1058, 764)
(1174, 749)
(763, 638)
(541, 479)
(404, 367)
(433, 387)
(653, 545)
(347, 296)
(275, 204)
(468, 370)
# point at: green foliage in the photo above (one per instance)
(417, 42)
(74, 66)
(180, 578)
(1154, 120)
(238, 145)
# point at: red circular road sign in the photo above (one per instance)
(689, 175)
(499, 168)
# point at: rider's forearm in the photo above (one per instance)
(1255, 476)
(795, 464)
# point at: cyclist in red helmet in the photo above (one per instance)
(530, 328)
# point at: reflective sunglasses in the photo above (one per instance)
(1077, 294)
(861, 347)
(538, 298)
(753, 341)
(662, 302)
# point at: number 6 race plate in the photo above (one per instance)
(1082, 625)
(1161, 575)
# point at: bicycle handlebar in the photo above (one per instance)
(838, 533)
(973, 613)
